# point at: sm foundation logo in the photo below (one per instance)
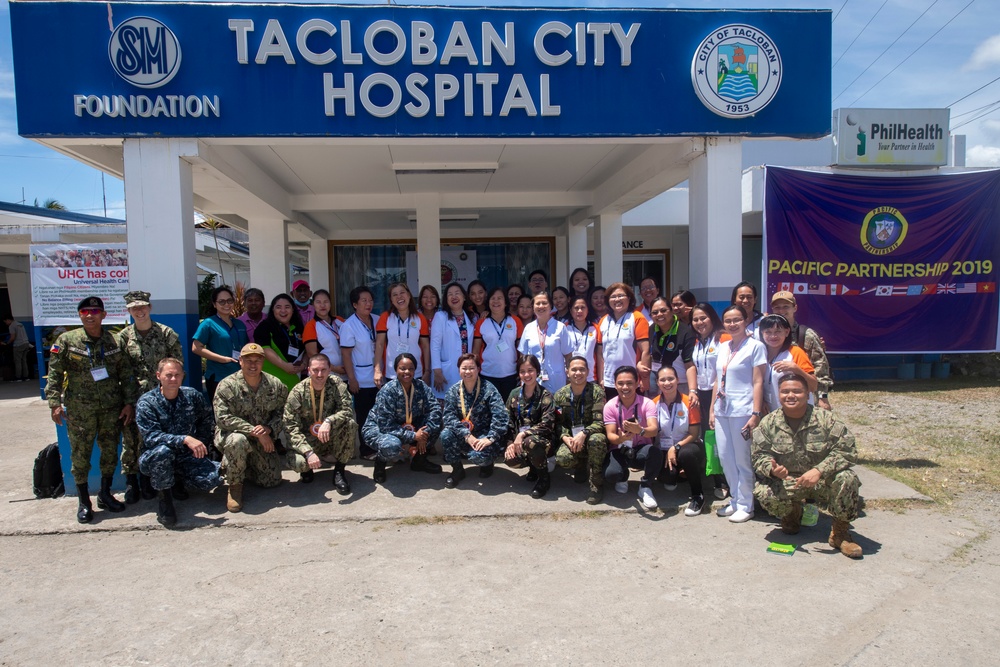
(144, 52)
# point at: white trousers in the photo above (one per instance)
(734, 454)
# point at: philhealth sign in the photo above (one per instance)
(213, 69)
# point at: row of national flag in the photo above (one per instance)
(834, 289)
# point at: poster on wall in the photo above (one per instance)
(62, 275)
(886, 264)
(457, 266)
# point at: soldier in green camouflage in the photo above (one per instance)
(89, 389)
(248, 409)
(145, 343)
(319, 421)
(802, 452)
(580, 429)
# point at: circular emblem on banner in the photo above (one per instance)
(883, 230)
(144, 52)
(449, 272)
(736, 71)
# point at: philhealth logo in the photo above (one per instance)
(144, 52)
(883, 230)
(736, 71)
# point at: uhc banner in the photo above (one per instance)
(887, 264)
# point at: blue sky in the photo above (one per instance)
(913, 53)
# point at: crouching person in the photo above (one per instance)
(249, 406)
(319, 420)
(580, 429)
(176, 422)
(801, 452)
(406, 416)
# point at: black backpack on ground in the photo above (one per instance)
(47, 479)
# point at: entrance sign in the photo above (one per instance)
(887, 265)
(249, 70)
(890, 137)
(63, 275)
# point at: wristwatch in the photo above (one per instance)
(822, 394)
(757, 413)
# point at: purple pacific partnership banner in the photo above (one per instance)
(887, 264)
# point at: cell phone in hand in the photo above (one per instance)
(746, 432)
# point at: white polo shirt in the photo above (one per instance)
(354, 334)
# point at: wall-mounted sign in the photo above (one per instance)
(890, 137)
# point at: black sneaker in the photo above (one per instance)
(695, 506)
(306, 477)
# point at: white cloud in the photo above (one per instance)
(983, 156)
(987, 54)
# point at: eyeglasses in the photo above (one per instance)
(91, 311)
(226, 302)
(616, 297)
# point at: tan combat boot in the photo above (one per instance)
(234, 503)
(791, 522)
(840, 538)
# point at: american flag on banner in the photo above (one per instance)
(967, 288)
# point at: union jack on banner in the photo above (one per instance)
(946, 288)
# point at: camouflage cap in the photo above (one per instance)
(90, 302)
(783, 296)
(136, 298)
(252, 348)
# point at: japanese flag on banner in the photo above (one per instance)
(800, 288)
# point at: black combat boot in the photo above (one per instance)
(456, 476)
(543, 483)
(165, 513)
(146, 487)
(131, 489)
(105, 500)
(340, 480)
(84, 510)
(379, 474)
(180, 493)
(421, 463)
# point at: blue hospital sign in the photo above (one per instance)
(328, 70)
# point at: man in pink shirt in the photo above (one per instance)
(631, 426)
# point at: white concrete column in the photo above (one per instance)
(716, 220)
(576, 238)
(319, 265)
(19, 291)
(269, 256)
(429, 240)
(160, 232)
(561, 276)
(608, 248)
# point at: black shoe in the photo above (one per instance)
(486, 471)
(595, 496)
(367, 453)
(178, 490)
(581, 474)
(340, 482)
(432, 449)
(146, 487)
(542, 485)
(105, 500)
(84, 510)
(379, 474)
(131, 489)
(420, 463)
(532, 475)
(306, 477)
(165, 513)
(456, 476)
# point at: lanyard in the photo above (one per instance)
(672, 410)
(577, 407)
(635, 413)
(665, 335)
(369, 329)
(99, 360)
(317, 410)
(408, 404)
(732, 353)
(531, 402)
(332, 328)
(498, 327)
(704, 347)
(461, 397)
(542, 335)
(399, 323)
(579, 337)
(620, 323)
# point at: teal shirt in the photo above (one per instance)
(217, 337)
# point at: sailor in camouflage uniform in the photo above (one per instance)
(580, 429)
(802, 452)
(249, 406)
(475, 422)
(319, 421)
(177, 426)
(145, 343)
(89, 388)
(531, 432)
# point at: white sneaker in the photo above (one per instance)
(739, 516)
(621, 487)
(694, 507)
(551, 463)
(646, 497)
(669, 487)
(725, 510)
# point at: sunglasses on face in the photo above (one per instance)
(91, 311)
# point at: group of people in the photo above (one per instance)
(585, 378)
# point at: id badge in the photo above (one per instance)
(544, 377)
(523, 429)
(655, 368)
(611, 347)
(99, 373)
(402, 347)
(502, 347)
(627, 444)
(293, 352)
(236, 355)
(577, 430)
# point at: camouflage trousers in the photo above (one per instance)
(244, 459)
(163, 465)
(456, 449)
(338, 449)
(534, 451)
(86, 425)
(595, 448)
(391, 448)
(131, 446)
(839, 495)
